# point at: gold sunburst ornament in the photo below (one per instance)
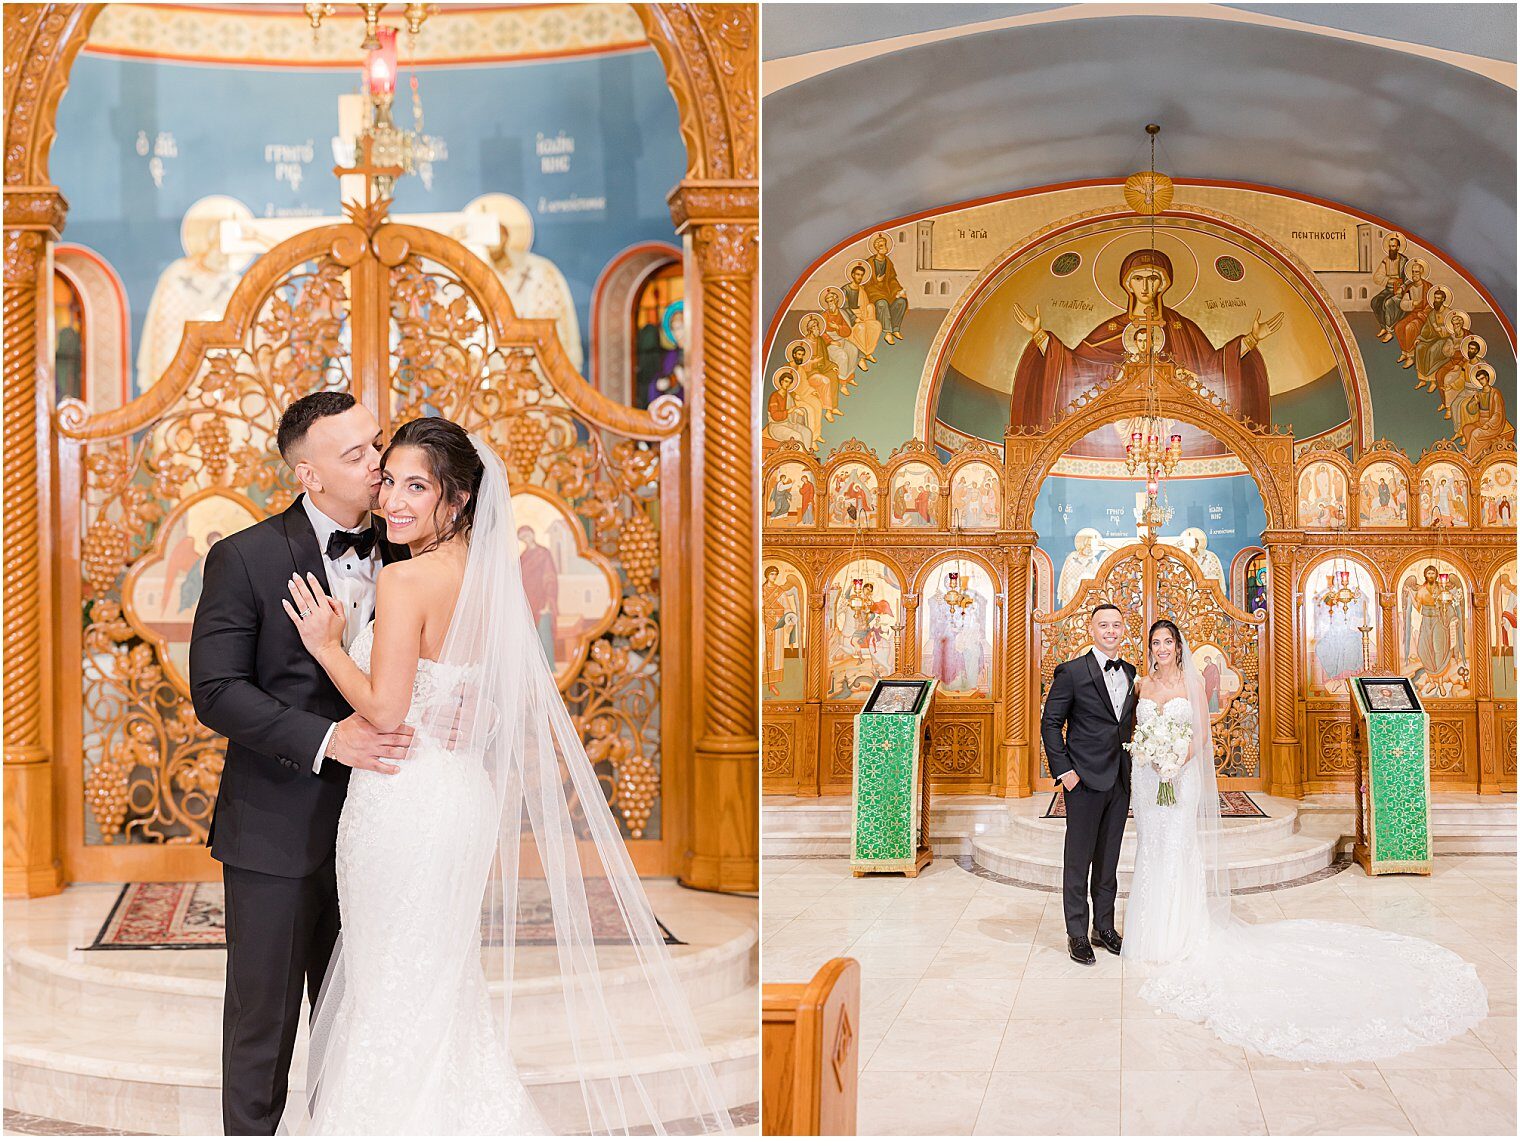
(1149, 192)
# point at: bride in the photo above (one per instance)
(1302, 990)
(496, 821)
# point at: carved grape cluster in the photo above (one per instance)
(107, 549)
(639, 550)
(638, 784)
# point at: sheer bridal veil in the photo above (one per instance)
(586, 1000)
(1216, 862)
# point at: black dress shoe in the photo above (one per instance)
(1081, 951)
(1108, 938)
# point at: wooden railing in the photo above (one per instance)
(810, 1052)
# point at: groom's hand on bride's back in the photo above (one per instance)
(359, 745)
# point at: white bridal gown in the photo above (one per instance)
(410, 1046)
(1303, 990)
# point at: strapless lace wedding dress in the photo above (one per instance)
(1303, 990)
(410, 1046)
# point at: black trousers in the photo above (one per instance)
(1094, 833)
(280, 936)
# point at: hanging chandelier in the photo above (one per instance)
(382, 141)
(955, 597)
(1151, 450)
(1338, 593)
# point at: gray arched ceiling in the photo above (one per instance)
(1477, 29)
(1426, 145)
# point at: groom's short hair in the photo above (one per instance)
(1100, 608)
(301, 413)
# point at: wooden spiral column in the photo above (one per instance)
(32, 219)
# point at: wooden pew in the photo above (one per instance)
(810, 1048)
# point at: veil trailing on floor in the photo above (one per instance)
(1305, 990)
(586, 1005)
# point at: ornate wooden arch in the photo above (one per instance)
(1029, 454)
(710, 55)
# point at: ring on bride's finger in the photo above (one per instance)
(305, 613)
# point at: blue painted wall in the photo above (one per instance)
(617, 108)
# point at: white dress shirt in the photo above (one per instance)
(350, 580)
(1117, 681)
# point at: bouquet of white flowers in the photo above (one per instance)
(1162, 744)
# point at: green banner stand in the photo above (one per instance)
(889, 813)
(1392, 777)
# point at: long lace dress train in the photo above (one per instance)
(1302, 990)
(408, 1045)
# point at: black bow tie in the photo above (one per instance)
(360, 541)
(1110, 665)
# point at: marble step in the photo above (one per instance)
(1252, 866)
(109, 1070)
(183, 990)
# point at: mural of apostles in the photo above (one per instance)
(792, 497)
(974, 498)
(861, 618)
(1384, 497)
(956, 634)
(1050, 375)
(1322, 497)
(1443, 497)
(852, 497)
(1502, 630)
(1477, 412)
(783, 617)
(1337, 645)
(1433, 622)
(1496, 495)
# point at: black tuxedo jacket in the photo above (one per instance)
(252, 681)
(1080, 729)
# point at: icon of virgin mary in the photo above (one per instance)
(1051, 375)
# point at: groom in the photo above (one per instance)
(290, 735)
(1089, 715)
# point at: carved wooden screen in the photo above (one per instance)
(412, 324)
(1152, 581)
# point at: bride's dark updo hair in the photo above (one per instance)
(1171, 626)
(453, 464)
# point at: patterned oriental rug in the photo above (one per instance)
(187, 915)
(1230, 804)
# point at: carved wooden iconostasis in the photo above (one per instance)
(945, 491)
(112, 501)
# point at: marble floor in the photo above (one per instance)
(975, 1021)
(111, 1042)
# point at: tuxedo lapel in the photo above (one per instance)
(1099, 684)
(304, 554)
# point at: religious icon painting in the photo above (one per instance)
(1340, 624)
(975, 497)
(1322, 497)
(862, 620)
(791, 499)
(572, 590)
(783, 622)
(955, 628)
(853, 496)
(1434, 628)
(163, 587)
(1501, 639)
(914, 497)
(1496, 495)
(1383, 496)
(1444, 496)
(1221, 683)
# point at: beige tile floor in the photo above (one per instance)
(975, 1021)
